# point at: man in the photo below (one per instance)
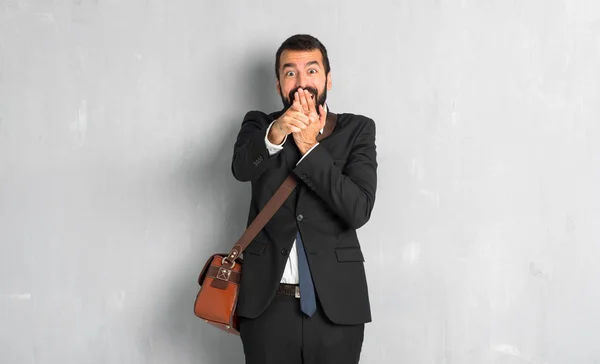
(310, 247)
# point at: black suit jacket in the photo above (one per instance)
(334, 197)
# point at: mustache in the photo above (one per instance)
(318, 97)
(310, 89)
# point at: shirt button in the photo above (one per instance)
(299, 217)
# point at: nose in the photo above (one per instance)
(302, 81)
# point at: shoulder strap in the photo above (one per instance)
(282, 193)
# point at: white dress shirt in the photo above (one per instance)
(290, 273)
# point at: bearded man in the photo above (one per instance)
(303, 291)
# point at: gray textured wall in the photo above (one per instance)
(117, 121)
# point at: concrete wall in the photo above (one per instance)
(117, 122)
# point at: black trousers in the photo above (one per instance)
(284, 335)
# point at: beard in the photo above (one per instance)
(321, 98)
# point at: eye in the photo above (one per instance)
(290, 73)
(312, 71)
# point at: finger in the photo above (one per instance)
(314, 117)
(296, 105)
(311, 101)
(303, 101)
(301, 117)
(311, 107)
(299, 122)
(294, 129)
(323, 115)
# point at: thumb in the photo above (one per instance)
(322, 114)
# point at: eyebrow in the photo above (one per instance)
(293, 65)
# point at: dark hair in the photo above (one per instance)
(302, 42)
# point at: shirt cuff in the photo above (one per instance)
(273, 148)
(310, 150)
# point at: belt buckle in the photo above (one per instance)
(297, 291)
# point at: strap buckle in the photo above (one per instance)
(226, 260)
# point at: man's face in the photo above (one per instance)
(303, 69)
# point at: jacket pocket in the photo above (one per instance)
(353, 254)
(256, 247)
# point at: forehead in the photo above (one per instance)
(300, 58)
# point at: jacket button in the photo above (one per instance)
(284, 252)
(299, 217)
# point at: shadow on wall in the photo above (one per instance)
(220, 206)
(260, 83)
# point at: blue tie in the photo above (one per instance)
(308, 302)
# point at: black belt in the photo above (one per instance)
(289, 290)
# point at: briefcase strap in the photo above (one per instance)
(282, 193)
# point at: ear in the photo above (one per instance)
(278, 86)
(329, 81)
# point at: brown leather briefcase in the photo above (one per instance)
(216, 301)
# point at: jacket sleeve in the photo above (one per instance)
(349, 190)
(250, 155)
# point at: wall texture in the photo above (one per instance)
(117, 122)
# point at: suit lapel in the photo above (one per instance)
(329, 126)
